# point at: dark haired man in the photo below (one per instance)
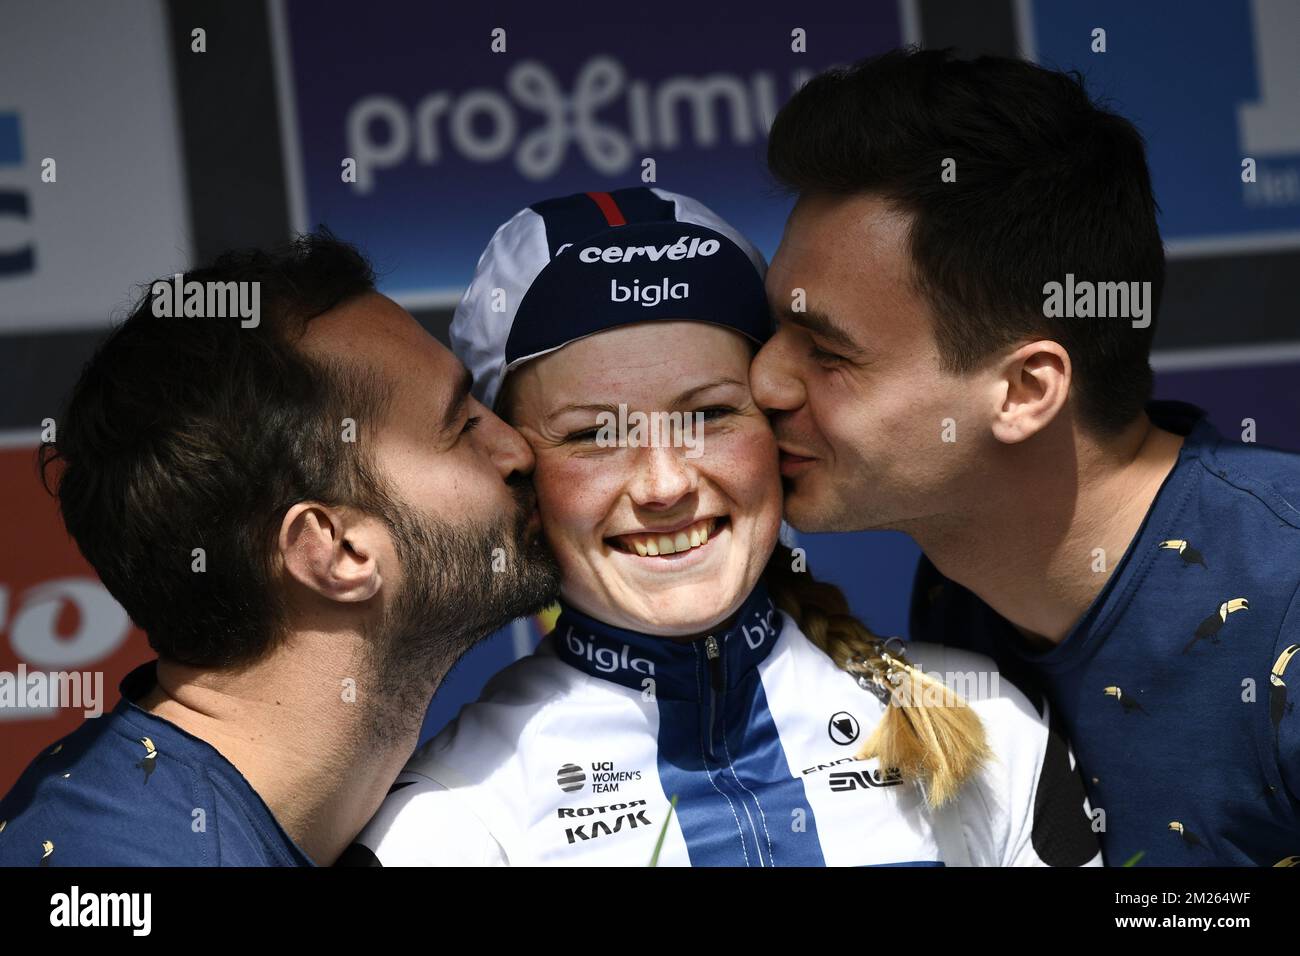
(1142, 571)
(312, 519)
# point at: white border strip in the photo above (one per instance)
(909, 21)
(1243, 242)
(20, 438)
(1024, 14)
(428, 298)
(290, 147)
(1225, 356)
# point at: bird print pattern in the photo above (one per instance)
(1212, 630)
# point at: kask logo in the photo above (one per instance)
(598, 828)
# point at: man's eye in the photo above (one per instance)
(717, 411)
(824, 357)
(471, 423)
(588, 435)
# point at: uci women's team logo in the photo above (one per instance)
(605, 777)
(570, 778)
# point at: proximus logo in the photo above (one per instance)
(483, 125)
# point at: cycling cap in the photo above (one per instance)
(572, 266)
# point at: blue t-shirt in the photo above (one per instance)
(132, 789)
(1173, 685)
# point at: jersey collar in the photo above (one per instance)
(674, 670)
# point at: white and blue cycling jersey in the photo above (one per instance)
(573, 754)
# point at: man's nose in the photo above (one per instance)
(774, 379)
(509, 450)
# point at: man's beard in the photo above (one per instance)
(452, 596)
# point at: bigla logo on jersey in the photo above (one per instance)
(606, 659)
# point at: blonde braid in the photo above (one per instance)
(929, 733)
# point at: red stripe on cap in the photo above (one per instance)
(613, 215)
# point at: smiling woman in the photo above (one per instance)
(598, 503)
(694, 658)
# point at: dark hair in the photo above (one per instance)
(1048, 183)
(186, 433)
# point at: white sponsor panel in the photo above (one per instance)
(90, 87)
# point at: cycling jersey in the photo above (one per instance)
(572, 755)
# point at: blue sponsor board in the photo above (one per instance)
(1210, 84)
(11, 143)
(451, 138)
(20, 260)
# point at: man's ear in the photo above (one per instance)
(332, 551)
(1032, 386)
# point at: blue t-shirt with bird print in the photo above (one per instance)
(132, 789)
(1178, 686)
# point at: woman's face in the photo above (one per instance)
(665, 537)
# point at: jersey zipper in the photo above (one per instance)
(714, 656)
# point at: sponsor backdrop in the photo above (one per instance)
(166, 155)
(449, 145)
(91, 184)
(1216, 84)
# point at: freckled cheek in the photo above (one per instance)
(575, 497)
(745, 467)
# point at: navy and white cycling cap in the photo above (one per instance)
(572, 266)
